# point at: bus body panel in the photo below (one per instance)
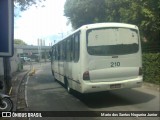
(89, 87)
(119, 68)
(61, 71)
(107, 71)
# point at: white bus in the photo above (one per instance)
(99, 57)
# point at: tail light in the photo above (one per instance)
(86, 75)
(140, 71)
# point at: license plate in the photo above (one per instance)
(114, 86)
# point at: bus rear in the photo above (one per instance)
(113, 58)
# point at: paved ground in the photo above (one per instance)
(41, 92)
(45, 94)
(16, 83)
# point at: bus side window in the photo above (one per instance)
(68, 50)
(61, 51)
(56, 53)
(53, 53)
(71, 48)
(64, 50)
(76, 48)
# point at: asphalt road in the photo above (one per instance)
(43, 93)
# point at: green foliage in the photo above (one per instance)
(151, 67)
(143, 13)
(81, 12)
(150, 47)
(25, 4)
(19, 42)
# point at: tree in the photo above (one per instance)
(143, 13)
(81, 12)
(19, 42)
(25, 4)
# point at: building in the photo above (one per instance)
(30, 51)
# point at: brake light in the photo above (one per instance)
(140, 71)
(86, 75)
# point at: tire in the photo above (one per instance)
(55, 78)
(69, 90)
(52, 72)
(7, 104)
(53, 75)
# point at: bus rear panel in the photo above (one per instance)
(113, 59)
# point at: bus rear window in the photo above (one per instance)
(112, 41)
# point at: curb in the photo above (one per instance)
(151, 86)
(32, 72)
(15, 95)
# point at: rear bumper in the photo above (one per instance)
(89, 87)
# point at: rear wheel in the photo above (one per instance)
(54, 76)
(52, 72)
(69, 90)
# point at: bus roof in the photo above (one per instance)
(97, 25)
(100, 25)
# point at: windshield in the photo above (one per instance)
(112, 41)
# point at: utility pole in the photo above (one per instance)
(6, 39)
(7, 74)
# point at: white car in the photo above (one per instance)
(25, 59)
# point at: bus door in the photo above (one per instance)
(61, 61)
(56, 62)
(69, 57)
(53, 59)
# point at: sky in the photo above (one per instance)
(47, 23)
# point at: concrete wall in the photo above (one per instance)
(14, 63)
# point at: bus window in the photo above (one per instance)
(64, 50)
(76, 48)
(60, 51)
(68, 50)
(112, 41)
(53, 53)
(56, 52)
(71, 48)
